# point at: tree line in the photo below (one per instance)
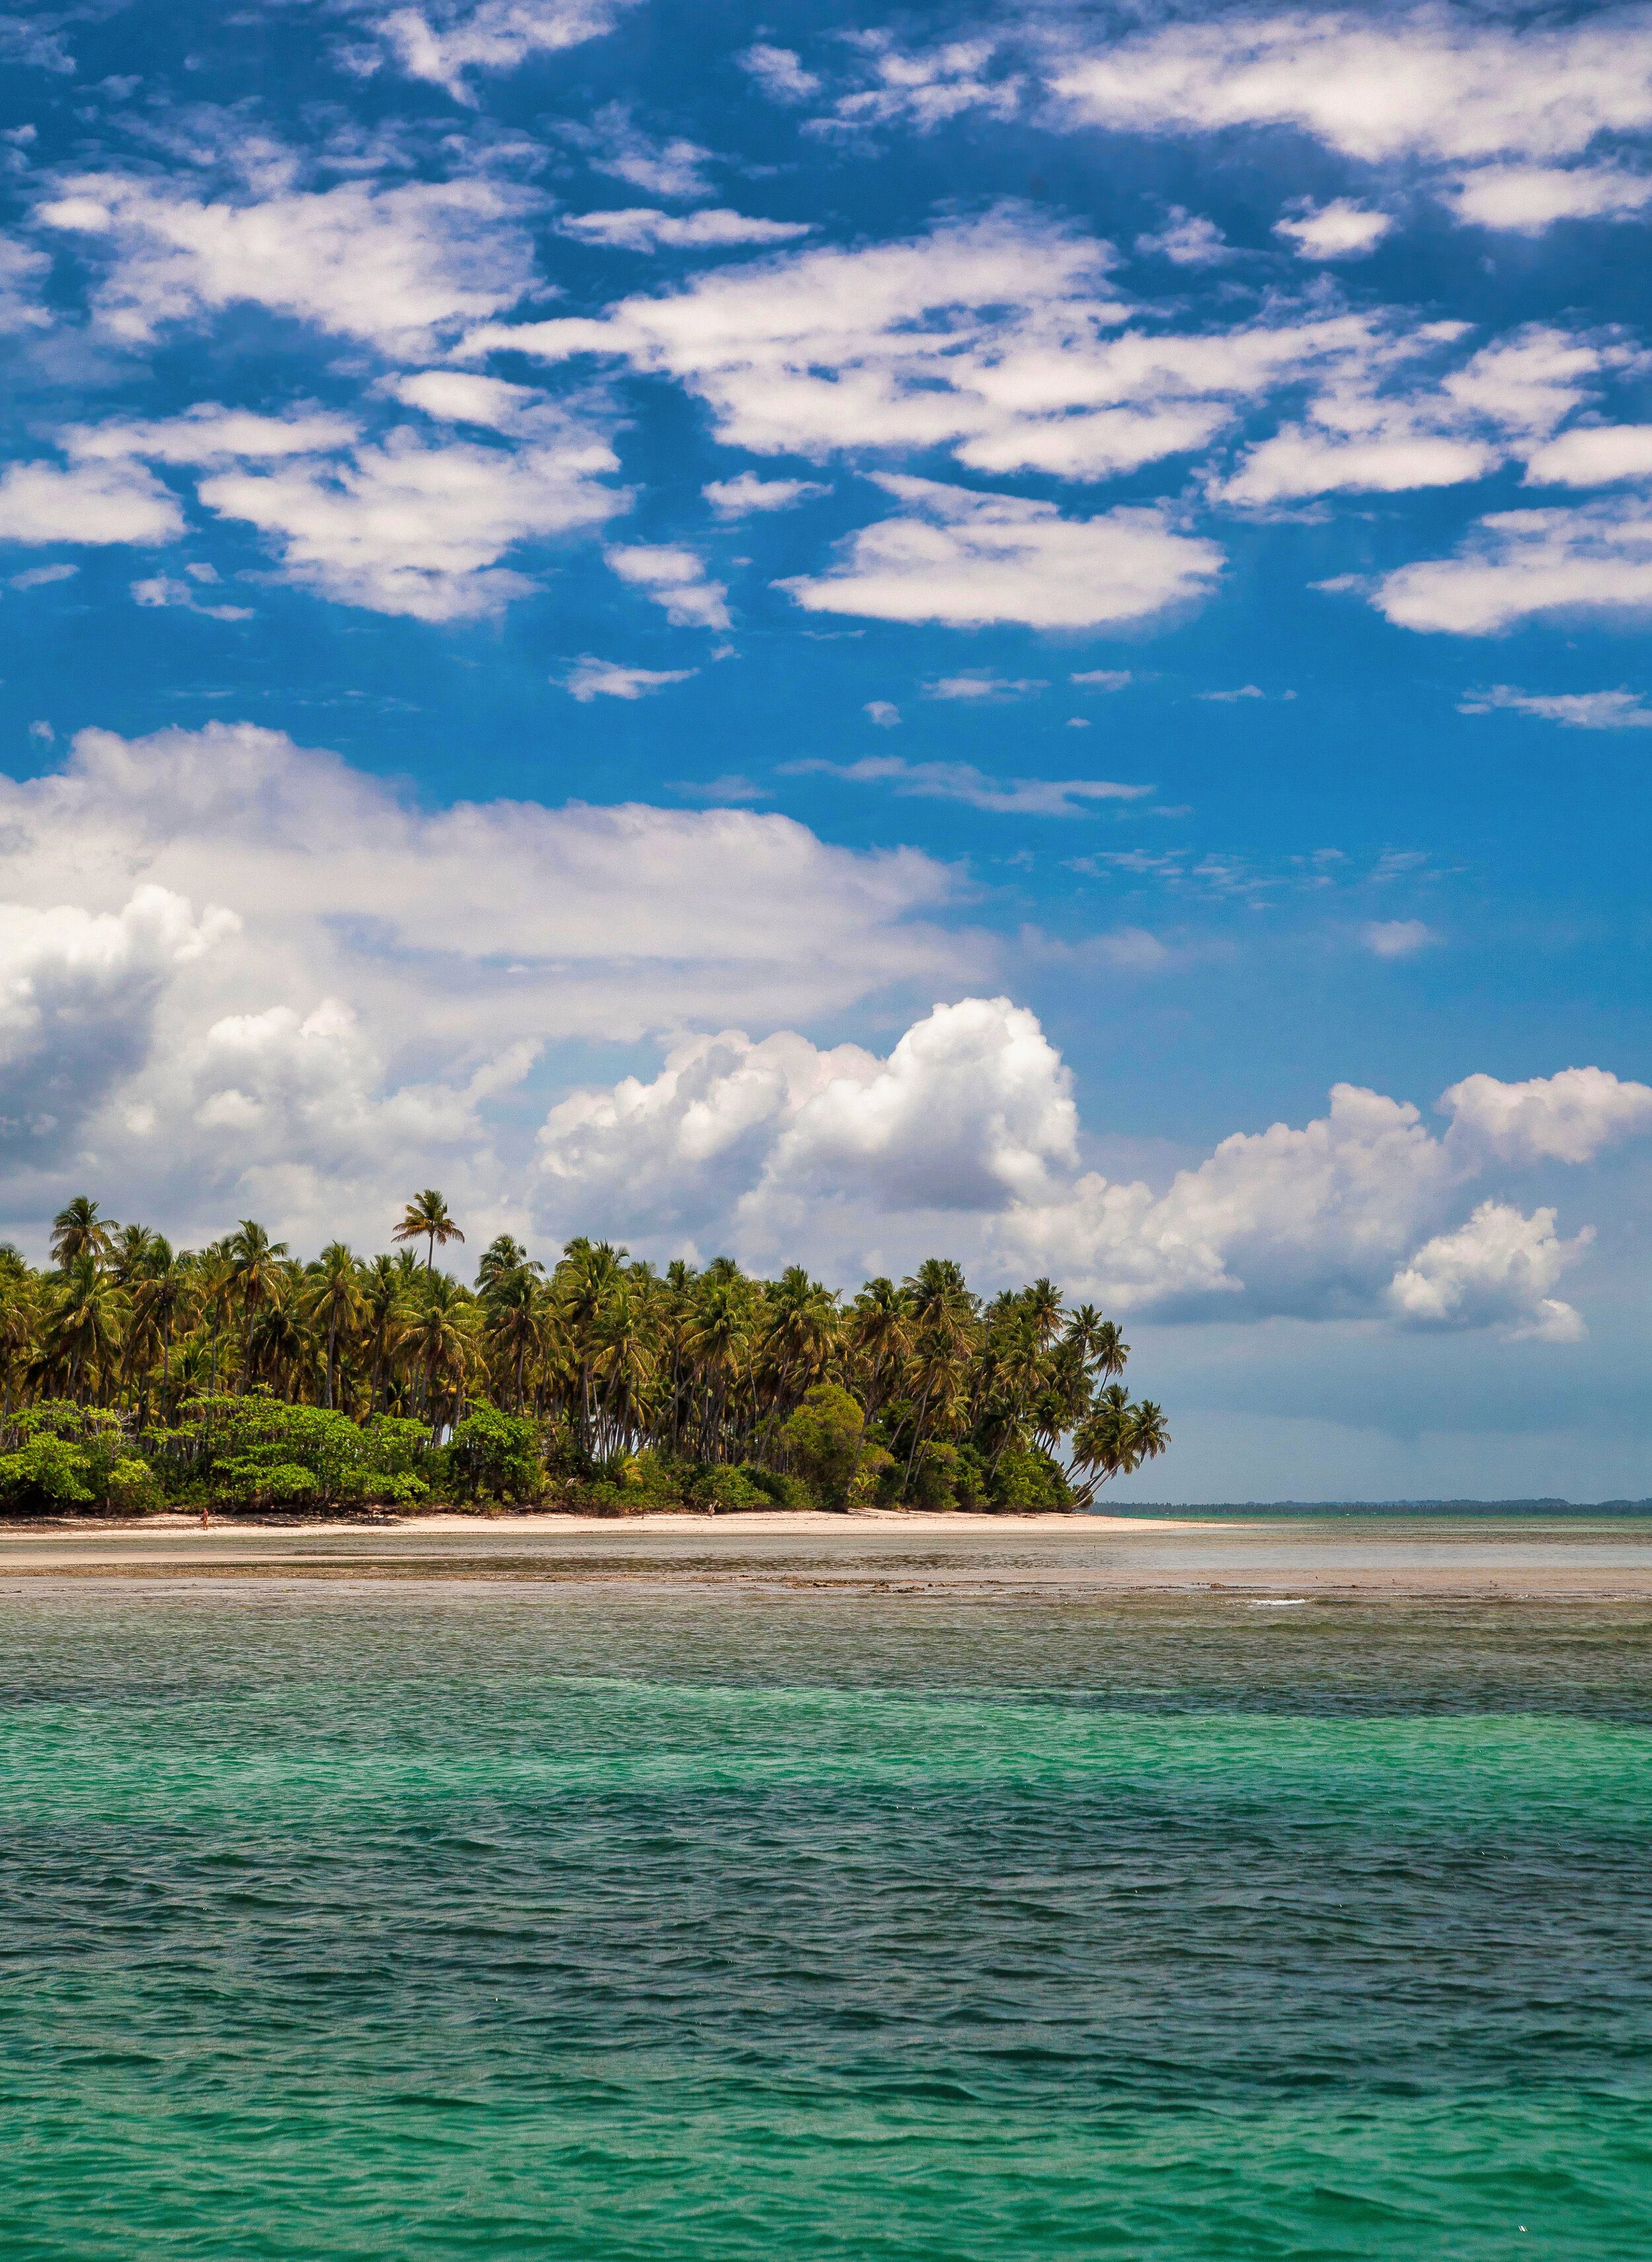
(598, 1379)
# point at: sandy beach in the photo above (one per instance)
(891, 1553)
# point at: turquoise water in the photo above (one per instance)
(575, 1926)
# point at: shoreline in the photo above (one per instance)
(816, 1555)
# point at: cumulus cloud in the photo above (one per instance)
(94, 503)
(401, 268)
(642, 229)
(1374, 428)
(1593, 456)
(409, 527)
(1577, 710)
(1496, 1270)
(1521, 564)
(441, 44)
(591, 678)
(209, 433)
(1186, 240)
(968, 1130)
(1566, 1118)
(972, 1108)
(1396, 937)
(998, 338)
(78, 994)
(1340, 229)
(966, 558)
(749, 492)
(674, 578)
(391, 967)
(779, 72)
(1526, 199)
(1431, 83)
(963, 781)
(884, 712)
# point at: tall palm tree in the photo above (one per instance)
(86, 1331)
(334, 1296)
(256, 1276)
(384, 1314)
(164, 1296)
(442, 1341)
(425, 1218)
(79, 1230)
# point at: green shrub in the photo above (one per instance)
(495, 1453)
(822, 1439)
(1027, 1481)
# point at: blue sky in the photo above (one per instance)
(825, 632)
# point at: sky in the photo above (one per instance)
(837, 635)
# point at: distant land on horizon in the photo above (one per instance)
(1544, 1507)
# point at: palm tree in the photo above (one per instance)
(426, 1218)
(163, 1298)
(256, 1275)
(335, 1295)
(385, 1313)
(440, 1338)
(517, 1321)
(87, 1327)
(77, 1230)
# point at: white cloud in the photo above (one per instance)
(161, 589)
(207, 433)
(78, 995)
(1187, 239)
(40, 577)
(747, 492)
(1396, 937)
(591, 678)
(1432, 82)
(779, 71)
(1578, 710)
(1340, 229)
(400, 267)
(882, 712)
(674, 578)
(1373, 428)
(1104, 678)
(1526, 199)
(440, 44)
(966, 558)
(991, 337)
(972, 1108)
(1521, 564)
(1496, 1270)
(387, 958)
(88, 502)
(43, 732)
(406, 527)
(614, 143)
(643, 229)
(1566, 1118)
(1231, 698)
(963, 781)
(924, 88)
(1593, 456)
(759, 1145)
(979, 684)
(23, 270)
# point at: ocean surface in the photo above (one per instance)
(579, 1924)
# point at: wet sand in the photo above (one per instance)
(951, 1556)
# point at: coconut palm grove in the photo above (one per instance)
(140, 1377)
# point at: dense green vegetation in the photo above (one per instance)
(137, 1376)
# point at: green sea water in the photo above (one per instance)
(563, 1924)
